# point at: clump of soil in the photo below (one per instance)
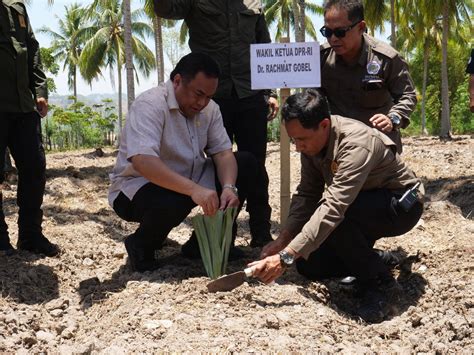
(88, 300)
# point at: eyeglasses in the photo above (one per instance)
(338, 32)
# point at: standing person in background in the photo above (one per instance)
(23, 101)
(362, 77)
(225, 30)
(470, 71)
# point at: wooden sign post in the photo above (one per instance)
(284, 65)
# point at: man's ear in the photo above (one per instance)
(177, 80)
(325, 123)
(362, 26)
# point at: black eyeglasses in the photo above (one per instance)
(338, 32)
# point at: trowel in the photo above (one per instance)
(231, 281)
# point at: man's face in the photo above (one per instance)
(194, 95)
(349, 45)
(307, 140)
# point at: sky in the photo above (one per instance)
(41, 14)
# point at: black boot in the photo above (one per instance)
(37, 244)
(141, 258)
(30, 235)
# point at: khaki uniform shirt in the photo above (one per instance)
(356, 158)
(344, 84)
(223, 29)
(21, 74)
(156, 127)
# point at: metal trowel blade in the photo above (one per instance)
(229, 282)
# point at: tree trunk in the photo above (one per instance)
(303, 20)
(75, 83)
(445, 132)
(160, 61)
(423, 91)
(393, 35)
(120, 114)
(127, 35)
(296, 19)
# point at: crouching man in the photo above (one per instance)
(351, 180)
(163, 170)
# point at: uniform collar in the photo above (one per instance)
(333, 143)
(366, 48)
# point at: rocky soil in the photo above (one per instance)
(88, 300)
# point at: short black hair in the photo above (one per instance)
(309, 108)
(193, 63)
(354, 8)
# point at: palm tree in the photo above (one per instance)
(283, 13)
(106, 47)
(375, 14)
(127, 35)
(453, 13)
(68, 42)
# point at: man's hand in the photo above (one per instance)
(274, 106)
(382, 122)
(268, 269)
(206, 199)
(228, 199)
(277, 245)
(42, 106)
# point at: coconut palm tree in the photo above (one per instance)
(68, 42)
(106, 47)
(282, 12)
(375, 14)
(453, 14)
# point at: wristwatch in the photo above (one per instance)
(231, 187)
(396, 121)
(286, 259)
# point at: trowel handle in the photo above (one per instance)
(249, 271)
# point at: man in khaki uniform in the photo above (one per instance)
(23, 99)
(362, 77)
(351, 180)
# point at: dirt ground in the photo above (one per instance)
(87, 300)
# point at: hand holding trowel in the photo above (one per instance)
(229, 282)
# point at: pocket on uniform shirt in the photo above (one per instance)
(247, 23)
(375, 98)
(211, 19)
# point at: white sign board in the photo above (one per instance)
(285, 65)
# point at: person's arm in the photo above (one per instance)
(226, 167)
(173, 9)
(402, 89)
(303, 204)
(37, 78)
(156, 171)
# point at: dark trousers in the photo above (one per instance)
(158, 210)
(21, 133)
(7, 167)
(245, 121)
(349, 248)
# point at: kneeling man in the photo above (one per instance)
(163, 169)
(351, 181)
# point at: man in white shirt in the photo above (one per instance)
(173, 139)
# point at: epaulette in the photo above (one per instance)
(382, 47)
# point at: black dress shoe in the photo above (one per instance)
(390, 258)
(260, 240)
(38, 245)
(141, 259)
(373, 307)
(6, 248)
